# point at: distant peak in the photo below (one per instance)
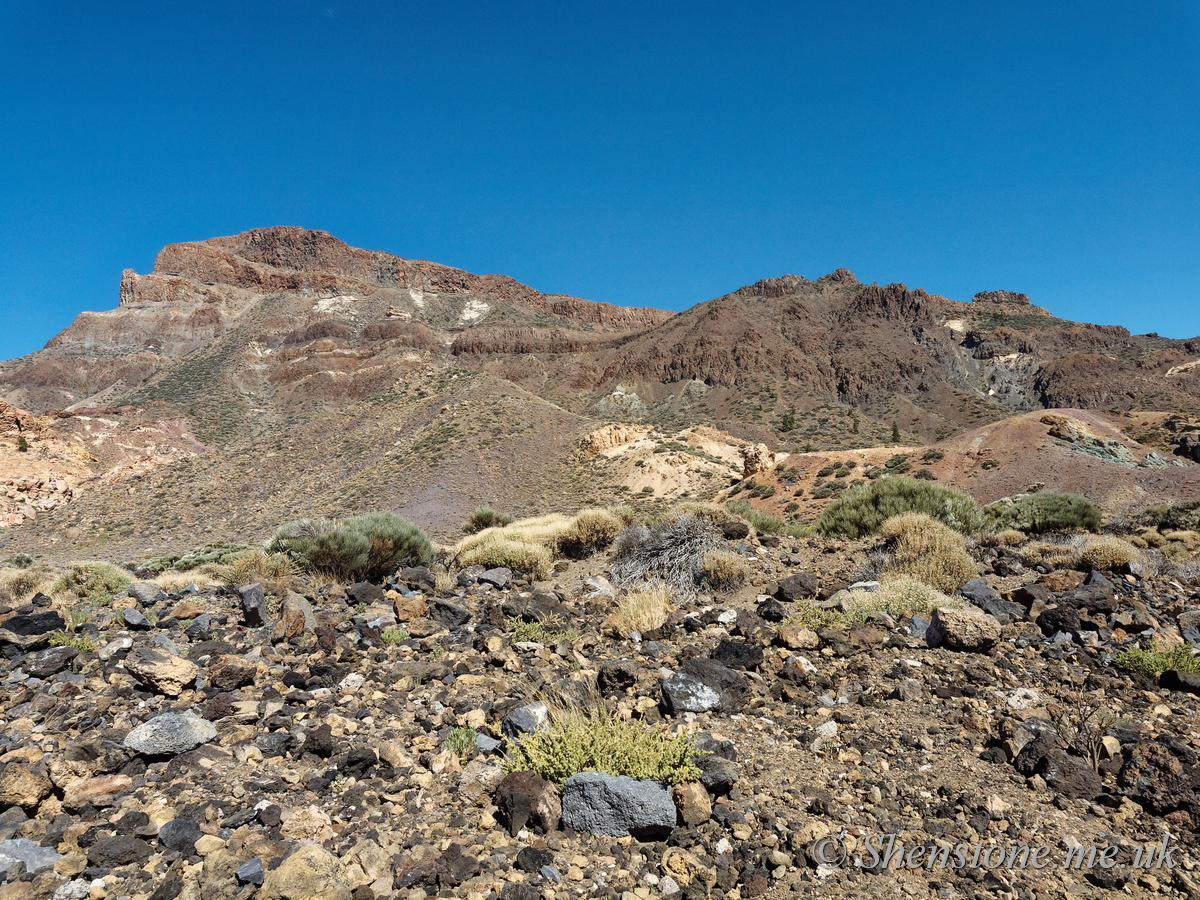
(838, 276)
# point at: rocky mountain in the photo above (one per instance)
(308, 373)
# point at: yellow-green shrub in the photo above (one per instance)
(1103, 551)
(1011, 537)
(254, 565)
(18, 585)
(591, 531)
(520, 556)
(927, 550)
(1057, 556)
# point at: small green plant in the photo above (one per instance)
(21, 561)
(1153, 661)
(80, 642)
(437, 652)
(765, 523)
(788, 423)
(22, 444)
(96, 582)
(593, 740)
(537, 633)
(932, 455)
(394, 635)
(462, 741)
(895, 432)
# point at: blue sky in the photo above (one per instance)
(655, 154)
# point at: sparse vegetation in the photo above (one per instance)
(671, 549)
(1042, 512)
(591, 531)
(593, 740)
(925, 549)
(863, 509)
(765, 523)
(539, 633)
(899, 596)
(1172, 517)
(96, 582)
(22, 444)
(367, 547)
(1051, 554)
(18, 585)
(393, 635)
(461, 741)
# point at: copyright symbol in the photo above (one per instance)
(830, 851)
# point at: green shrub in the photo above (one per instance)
(21, 561)
(925, 475)
(22, 444)
(899, 596)
(96, 582)
(1172, 517)
(1042, 512)
(595, 741)
(932, 455)
(394, 635)
(828, 469)
(925, 549)
(537, 633)
(895, 462)
(485, 517)
(1151, 662)
(864, 508)
(461, 741)
(367, 547)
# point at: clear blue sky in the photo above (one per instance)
(641, 153)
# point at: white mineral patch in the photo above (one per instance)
(475, 309)
(328, 304)
(417, 297)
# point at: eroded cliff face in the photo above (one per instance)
(282, 287)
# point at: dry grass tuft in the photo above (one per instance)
(724, 570)
(1105, 552)
(254, 565)
(18, 585)
(1010, 537)
(927, 550)
(591, 531)
(641, 611)
(1056, 555)
(176, 581)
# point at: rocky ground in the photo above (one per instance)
(278, 741)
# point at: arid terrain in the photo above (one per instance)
(994, 683)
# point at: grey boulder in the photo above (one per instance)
(170, 734)
(616, 805)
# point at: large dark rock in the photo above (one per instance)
(738, 654)
(31, 631)
(1172, 680)
(1060, 618)
(122, 850)
(525, 719)
(254, 605)
(455, 866)
(1029, 760)
(596, 803)
(365, 592)
(180, 834)
(616, 676)
(319, 742)
(448, 615)
(731, 685)
(801, 586)
(537, 606)
(1071, 776)
(48, 662)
